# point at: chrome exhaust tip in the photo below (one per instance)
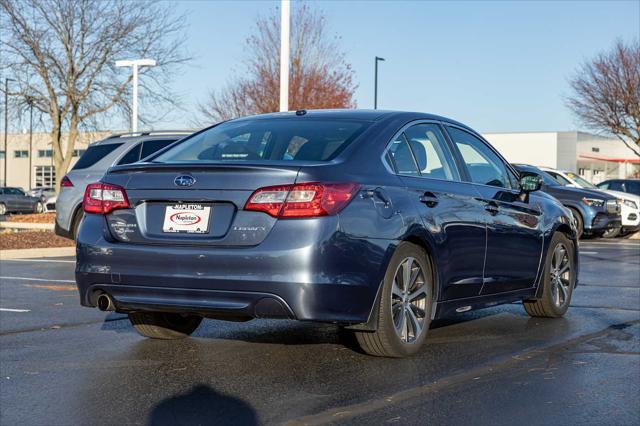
(105, 303)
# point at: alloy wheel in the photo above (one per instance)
(408, 300)
(560, 275)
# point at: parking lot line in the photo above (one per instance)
(14, 310)
(37, 279)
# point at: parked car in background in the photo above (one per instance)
(378, 221)
(14, 200)
(50, 204)
(632, 186)
(119, 149)
(595, 212)
(629, 203)
(43, 193)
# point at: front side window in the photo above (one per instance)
(559, 178)
(484, 166)
(287, 139)
(151, 147)
(632, 187)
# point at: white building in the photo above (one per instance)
(593, 157)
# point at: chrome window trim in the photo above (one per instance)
(457, 178)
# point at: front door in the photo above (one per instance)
(514, 235)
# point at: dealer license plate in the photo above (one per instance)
(187, 218)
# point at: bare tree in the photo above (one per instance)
(606, 94)
(319, 77)
(62, 55)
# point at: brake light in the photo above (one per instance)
(103, 198)
(302, 199)
(65, 182)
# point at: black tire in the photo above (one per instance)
(38, 208)
(75, 224)
(3, 209)
(611, 233)
(579, 221)
(385, 341)
(164, 325)
(547, 305)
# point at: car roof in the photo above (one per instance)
(133, 137)
(353, 114)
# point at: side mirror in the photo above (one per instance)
(530, 183)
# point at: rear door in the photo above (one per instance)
(449, 208)
(514, 229)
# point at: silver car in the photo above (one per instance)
(100, 156)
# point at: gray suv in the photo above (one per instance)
(16, 200)
(115, 150)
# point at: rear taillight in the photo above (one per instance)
(102, 198)
(303, 199)
(65, 182)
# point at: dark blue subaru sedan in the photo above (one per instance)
(377, 221)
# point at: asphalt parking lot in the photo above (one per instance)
(63, 364)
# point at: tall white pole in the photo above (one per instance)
(134, 112)
(285, 22)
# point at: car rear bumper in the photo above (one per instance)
(322, 275)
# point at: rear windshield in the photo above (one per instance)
(267, 140)
(94, 154)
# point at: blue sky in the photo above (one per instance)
(496, 65)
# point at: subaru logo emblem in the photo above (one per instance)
(184, 180)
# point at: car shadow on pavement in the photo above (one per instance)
(202, 405)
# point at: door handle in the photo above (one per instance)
(492, 208)
(429, 199)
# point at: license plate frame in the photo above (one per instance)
(187, 218)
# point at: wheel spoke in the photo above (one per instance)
(556, 291)
(417, 310)
(563, 290)
(415, 324)
(406, 274)
(404, 332)
(395, 290)
(419, 292)
(564, 267)
(415, 272)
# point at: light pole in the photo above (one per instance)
(285, 22)
(135, 64)
(375, 90)
(30, 102)
(6, 126)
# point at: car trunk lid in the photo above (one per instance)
(193, 204)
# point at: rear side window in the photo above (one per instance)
(150, 147)
(132, 156)
(293, 139)
(402, 158)
(94, 154)
(429, 150)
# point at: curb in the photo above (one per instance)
(37, 252)
(24, 225)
